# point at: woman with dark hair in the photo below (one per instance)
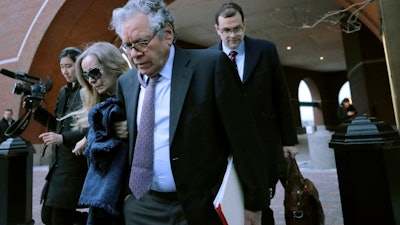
(67, 171)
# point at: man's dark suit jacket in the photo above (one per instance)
(3, 127)
(208, 121)
(266, 91)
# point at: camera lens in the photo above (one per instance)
(21, 89)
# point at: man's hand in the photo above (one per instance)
(252, 218)
(121, 129)
(290, 150)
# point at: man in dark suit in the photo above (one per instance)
(199, 121)
(5, 123)
(265, 89)
(346, 110)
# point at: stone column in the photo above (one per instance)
(389, 10)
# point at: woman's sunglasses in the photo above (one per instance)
(93, 73)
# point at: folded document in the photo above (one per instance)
(229, 201)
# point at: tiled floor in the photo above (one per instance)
(325, 180)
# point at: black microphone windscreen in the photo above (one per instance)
(7, 73)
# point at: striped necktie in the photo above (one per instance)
(232, 56)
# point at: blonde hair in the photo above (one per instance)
(112, 62)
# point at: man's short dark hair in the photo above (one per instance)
(228, 10)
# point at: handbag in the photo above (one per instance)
(302, 204)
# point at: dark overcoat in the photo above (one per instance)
(66, 170)
(265, 89)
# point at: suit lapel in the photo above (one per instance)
(133, 96)
(180, 81)
(251, 58)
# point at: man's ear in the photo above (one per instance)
(217, 28)
(169, 33)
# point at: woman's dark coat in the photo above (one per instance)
(66, 170)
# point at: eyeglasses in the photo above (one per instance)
(140, 46)
(236, 30)
(93, 73)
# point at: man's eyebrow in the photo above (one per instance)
(140, 39)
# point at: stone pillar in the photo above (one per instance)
(389, 10)
(367, 71)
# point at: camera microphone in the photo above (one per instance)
(20, 76)
(8, 73)
(13, 74)
(33, 93)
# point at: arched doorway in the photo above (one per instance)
(311, 105)
(345, 92)
(306, 110)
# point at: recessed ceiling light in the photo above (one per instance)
(288, 47)
(321, 58)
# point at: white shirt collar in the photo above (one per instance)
(239, 49)
(167, 69)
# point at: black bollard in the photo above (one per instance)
(367, 156)
(16, 161)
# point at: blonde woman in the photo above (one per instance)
(97, 70)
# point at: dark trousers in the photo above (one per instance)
(281, 174)
(267, 217)
(98, 216)
(58, 216)
(154, 210)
